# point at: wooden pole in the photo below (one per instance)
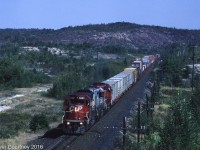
(124, 130)
(138, 128)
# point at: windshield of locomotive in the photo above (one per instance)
(77, 101)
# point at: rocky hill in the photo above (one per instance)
(128, 35)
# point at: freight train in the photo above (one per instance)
(85, 107)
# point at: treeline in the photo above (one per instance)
(12, 74)
(174, 60)
(19, 68)
(111, 27)
(179, 128)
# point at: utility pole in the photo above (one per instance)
(192, 68)
(138, 127)
(124, 130)
(147, 107)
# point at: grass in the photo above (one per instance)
(21, 139)
(159, 114)
(173, 90)
(14, 123)
(167, 93)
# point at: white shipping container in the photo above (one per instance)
(119, 84)
(127, 78)
(137, 63)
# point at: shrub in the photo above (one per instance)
(11, 123)
(38, 122)
(7, 132)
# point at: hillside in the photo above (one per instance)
(128, 35)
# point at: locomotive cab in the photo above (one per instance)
(76, 110)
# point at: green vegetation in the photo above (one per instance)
(12, 74)
(80, 76)
(20, 68)
(178, 126)
(172, 65)
(38, 122)
(12, 123)
(114, 49)
(75, 69)
(31, 116)
(175, 120)
(23, 68)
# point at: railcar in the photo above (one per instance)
(106, 92)
(134, 72)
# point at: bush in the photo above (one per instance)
(11, 123)
(7, 132)
(38, 122)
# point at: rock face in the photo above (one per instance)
(128, 35)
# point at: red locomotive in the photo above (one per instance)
(83, 108)
(76, 107)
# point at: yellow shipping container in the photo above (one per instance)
(134, 71)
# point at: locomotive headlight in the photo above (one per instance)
(81, 123)
(68, 123)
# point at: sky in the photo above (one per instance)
(56, 14)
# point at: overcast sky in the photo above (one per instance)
(57, 14)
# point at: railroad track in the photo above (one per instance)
(103, 134)
(67, 141)
(109, 127)
(64, 143)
